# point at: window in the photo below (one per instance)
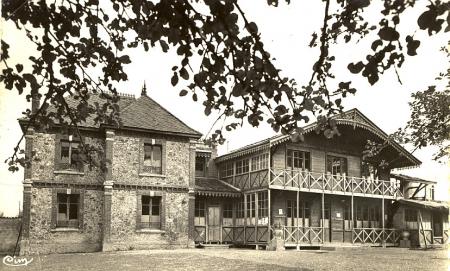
(298, 160)
(70, 158)
(68, 210)
(199, 212)
(336, 165)
(228, 210)
(151, 207)
(242, 166)
(260, 162)
(227, 214)
(226, 170)
(291, 212)
(240, 213)
(263, 210)
(251, 209)
(201, 164)
(410, 215)
(152, 158)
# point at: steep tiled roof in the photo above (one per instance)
(145, 113)
(214, 187)
(142, 113)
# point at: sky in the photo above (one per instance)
(286, 32)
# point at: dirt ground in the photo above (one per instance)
(244, 259)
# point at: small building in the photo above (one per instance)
(161, 187)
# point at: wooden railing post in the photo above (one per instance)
(382, 218)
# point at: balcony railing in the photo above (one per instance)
(326, 182)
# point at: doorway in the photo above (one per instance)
(214, 224)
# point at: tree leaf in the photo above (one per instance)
(183, 92)
(355, 68)
(388, 33)
(184, 74)
(174, 79)
(164, 45)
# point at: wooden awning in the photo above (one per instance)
(215, 188)
(406, 178)
(424, 204)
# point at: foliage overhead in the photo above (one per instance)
(82, 49)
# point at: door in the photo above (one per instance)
(437, 224)
(213, 224)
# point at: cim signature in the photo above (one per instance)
(16, 261)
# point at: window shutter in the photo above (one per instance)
(81, 210)
(54, 209)
(57, 158)
(162, 212)
(163, 157)
(138, 210)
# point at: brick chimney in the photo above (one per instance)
(35, 102)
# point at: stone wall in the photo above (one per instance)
(43, 165)
(44, 239)
(128, 155)
(125, 234)
(9, 231)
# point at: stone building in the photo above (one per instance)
(162, 188)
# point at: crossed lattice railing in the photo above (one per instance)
(308, 180)
(297, 235)
(375, 236)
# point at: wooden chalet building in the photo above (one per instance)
(163, 188)
(317, 192)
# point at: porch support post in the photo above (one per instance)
(323, 218)
(382, 222)
(256, 218)
(383, 241)
(298, 228)
(353, 220)
(269, 202)
(245, 218)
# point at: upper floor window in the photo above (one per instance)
(226, 170)
(152, 158)
(260, 162)
(298, 159)
(242, 166)
(201, 164)
(336, 165)
(70, 158)
(68, 210)
(151, 210)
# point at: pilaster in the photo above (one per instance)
(107, 190)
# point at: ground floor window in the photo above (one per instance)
(151, 211)
(411, 218)
(263, 209)
(240, 213)
(199, 212)
(68, 210)
(367, 216)
(227, 214)
(251, 212)
(304, 213)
